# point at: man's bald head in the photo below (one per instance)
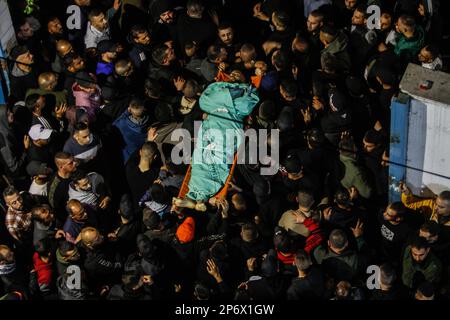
(77, 211)
(47, 81)
(74, 205)
(63, 47)
(6, 255)
(90, 237)
(123, 68)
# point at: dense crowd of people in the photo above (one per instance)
(88, 177)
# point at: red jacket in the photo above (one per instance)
(43, 270)
(315, 238)
(287, 258)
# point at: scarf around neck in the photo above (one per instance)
(7, 269)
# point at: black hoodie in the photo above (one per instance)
(201, 31)
(162, 32)
(11, 158)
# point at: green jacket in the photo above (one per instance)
(431, 268)
(355, 177)
(408, 49)
(349, 265)
(338, 49)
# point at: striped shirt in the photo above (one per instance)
(44, 122)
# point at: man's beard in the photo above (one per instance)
(417, 264)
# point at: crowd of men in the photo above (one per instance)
(88, 179)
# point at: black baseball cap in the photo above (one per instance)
(293, 164)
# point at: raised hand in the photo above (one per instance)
(214, 17)
(317, 104)
(251, 264)
(358, 229)
(151, 134)
(105, 202)
(60, 110)
(26, 142)
(213, 270)
(179, 83)
(404, 188)
(117, 4)
(307, 117)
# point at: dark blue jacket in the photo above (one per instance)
(134, 135)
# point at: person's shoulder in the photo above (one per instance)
(89, 30)
(26, 196)
(435, 262)
(69, 144)
(120, 121)
(295, 282)
(133, 161)
(181, 18)
(94, 175)
(406, 254)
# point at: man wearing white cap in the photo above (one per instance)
(40, 149)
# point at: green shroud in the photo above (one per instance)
(227, 104)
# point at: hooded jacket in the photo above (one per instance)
(10, 158)
(338, 48)
(157, 7)
(134, 134)
(161, 31)
(201, 31)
